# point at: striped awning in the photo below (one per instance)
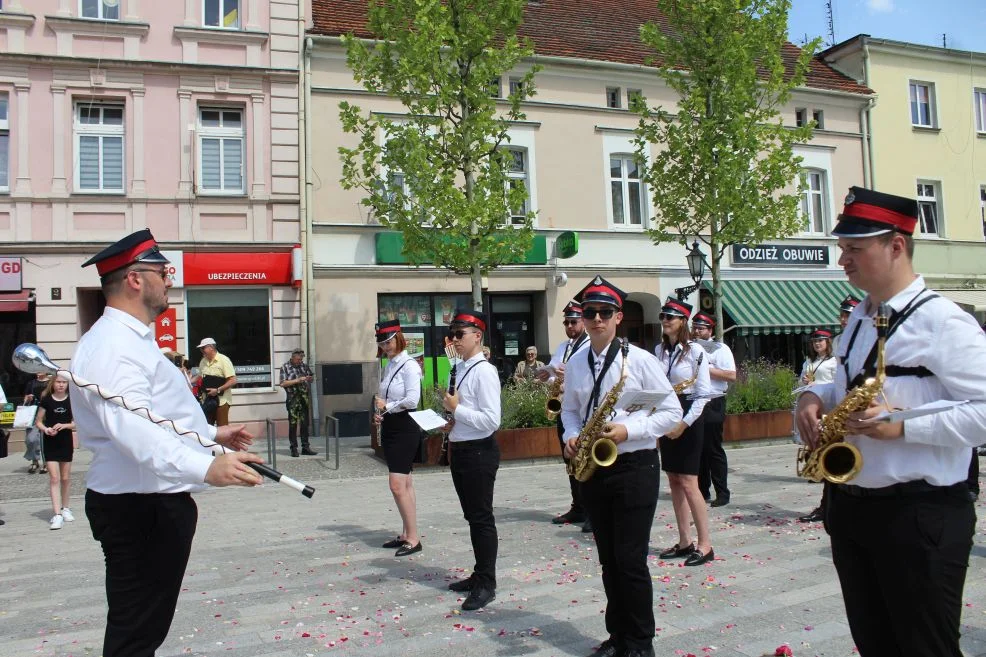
(775, 307)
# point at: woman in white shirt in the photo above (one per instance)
(400, 436)
(819, 366)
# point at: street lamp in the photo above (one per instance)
(696, 268)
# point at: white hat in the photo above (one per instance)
(206, 342)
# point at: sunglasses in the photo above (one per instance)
(605, 313)
(459, 334)
(570, 322)
(163, 273)
(664, 316)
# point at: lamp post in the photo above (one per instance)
(696, 269)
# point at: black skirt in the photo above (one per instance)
(57, 448)
(682, 456)
(400, 437)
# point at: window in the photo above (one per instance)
(517, 171)
(813, 200)
(221, 151)
(105, 9)
(632, 95)
(221, 13)
(922, 104)
(980, 99)
(4, 146)
(516, 86)
(818, 116)
(626, 191)
(800, 116)
(982, 206)
(239, 319)
(613, 97)
(496, 88)
(929, 210)
(99, 148)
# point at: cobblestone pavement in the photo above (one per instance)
(275, 574)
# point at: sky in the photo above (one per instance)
(963, 22)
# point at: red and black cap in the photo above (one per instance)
(868, 213)
(821, 334)
(469, 317)
(601, 291)
(701, 319)
(848, 304)
(676, 307)
(136, 247)
(573, 310)
(387, 330)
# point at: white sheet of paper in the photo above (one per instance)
(641, 400)
(428, 420)
(908, 413)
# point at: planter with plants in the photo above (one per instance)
(759, 404)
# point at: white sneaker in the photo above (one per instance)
(67, 514)
(56, 522)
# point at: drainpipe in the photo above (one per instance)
(304, 201)
(869, 167)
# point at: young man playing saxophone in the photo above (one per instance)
(902, 529)
(620, 499)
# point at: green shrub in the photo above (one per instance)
(762, 386)
(522, 405)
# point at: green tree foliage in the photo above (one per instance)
(724, 169)
(439, 172)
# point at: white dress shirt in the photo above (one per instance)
(720, 359)
(823, 369)
(478, 413)
(400, 386)
(643, 373)
(558, 358)
(131, 454)
(946, 340)
(680, 366)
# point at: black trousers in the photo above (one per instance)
(973, 480)
(473, 466)
(621, 501)
(293, 430)
(902, 562)
(713, 466)
(146, 540)
(573, 483)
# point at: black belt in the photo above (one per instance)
(480, 443)
(919, 487)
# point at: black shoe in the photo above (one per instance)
(608, 648)
(675, 552)
(462, 585)
(973, 495)
(570, 516)
(720, 501)
(308, 451)
(640, 652)
(406, 549)
(587, 526)
(696, 558)
(815, 516)
(478, 598)
(2, 522)
(395, 543)
(294, 452)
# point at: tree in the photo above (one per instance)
(725, 172)
(439, 174)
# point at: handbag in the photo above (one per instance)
(24, 417)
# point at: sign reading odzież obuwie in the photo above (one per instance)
(780, 254)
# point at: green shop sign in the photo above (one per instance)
(390, 250)
(567, 244)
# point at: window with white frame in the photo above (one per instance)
(982, 206)
(516, 85)
(818, 116)
(813, 206)
(633, 95)
(626, 191)
(922, 95)
(99, 150)
(4, 145)
(979, 96)
(108, 10)
(517, 176)
(800, 116)
(220, 151)
(929, 208)
(221, 13)
(613, 97)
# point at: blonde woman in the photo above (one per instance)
(54, 421)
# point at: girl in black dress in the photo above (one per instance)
(54, 421)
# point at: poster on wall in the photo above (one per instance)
(415, 343)
(409, 309)
(511, 347)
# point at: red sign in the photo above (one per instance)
(238, 268)
(166, 329)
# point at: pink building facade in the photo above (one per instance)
(178, 116)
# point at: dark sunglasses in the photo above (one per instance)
(163, 273)
(570, 322)
(605, 313)
(664, 316)
(459, 333)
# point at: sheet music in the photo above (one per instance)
(428, 420)
(931, 408)
(641, 400)
(710, 346)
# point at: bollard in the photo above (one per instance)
(335, 436)
(271, 443)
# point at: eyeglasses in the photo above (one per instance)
(163, 273)
(664, 316)
(605, 313)
(570, 322)
(459, 334)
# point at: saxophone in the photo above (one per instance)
(833, 458)
(687, 383)
(591, 449)
(552, 407)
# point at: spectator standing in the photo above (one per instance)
(32, 437)
(296, 379)
(220, 368)
(527, 367)
(54, 421)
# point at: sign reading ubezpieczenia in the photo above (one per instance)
(780, 254)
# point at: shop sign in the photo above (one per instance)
(237, 268)
(166, 329)
(176, 267)
(780, 254)
(10, 274)
(567, 244)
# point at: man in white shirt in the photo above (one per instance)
(473, 453)
(902, 529)
(138, 485)
(714, 468)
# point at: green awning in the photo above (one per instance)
(774, 307)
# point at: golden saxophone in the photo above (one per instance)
(833, 458)
(687, 383)
(552, 407)
(591, 449)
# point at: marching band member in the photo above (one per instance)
(713, 467)
(620, 499)
(687, 367)
(400, 436)
(819, 367)
(576, 341)
(473, 452)
(902, 529)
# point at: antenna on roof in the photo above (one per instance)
(944, 43)
(831, 21)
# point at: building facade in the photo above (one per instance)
(928, 129)
(180, 117)
(575, 155)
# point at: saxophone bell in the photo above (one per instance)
(552, 407)
(604, 453)
(840, 462)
